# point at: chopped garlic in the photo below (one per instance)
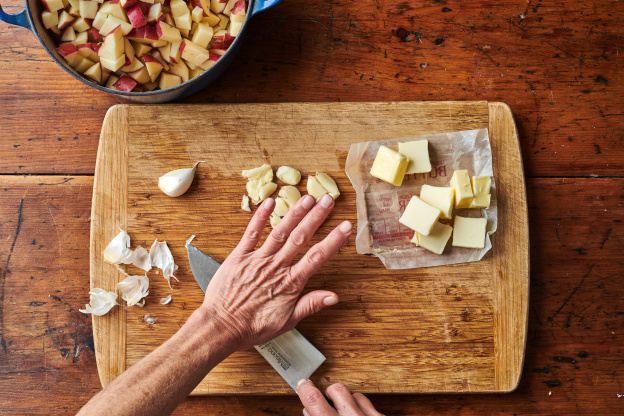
(166, 300)
(288, 197)
(151, 321)
(245, 204)
(259, 185)
(263, 173)
(100, 302)
(133, 289)
(163, 259)
(288, 175)
(117, 248)
(274, 219)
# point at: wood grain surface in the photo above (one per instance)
(558, 66)
(459, 328)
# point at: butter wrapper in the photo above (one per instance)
(380, 204)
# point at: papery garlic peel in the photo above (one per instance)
(178, 181)
(100, 302)
(133, 289)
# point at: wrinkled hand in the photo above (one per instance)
(346, 404)
(255, 294)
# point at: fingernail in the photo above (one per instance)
(308, 201)
(268, 204)
(330, 300)
(346, 226)
(326, 201)
(303, 380)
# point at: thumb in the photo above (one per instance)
(311, 303)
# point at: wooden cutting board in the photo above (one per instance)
(459, 328)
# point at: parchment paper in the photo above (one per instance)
(380, 204)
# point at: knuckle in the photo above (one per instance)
(312, 397)
(338, 388)
(299, 238)
(316, 255)
(279, 235)
(252, 234)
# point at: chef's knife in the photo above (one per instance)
(290, 354)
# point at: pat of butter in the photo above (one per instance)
(420, 216)
(418, 154)
(439, 197)
(437, 238)
(460, 181)
(389, 166)
(481, 189)
(469, 232)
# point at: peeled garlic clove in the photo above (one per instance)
(262, 173)
(315, 188)
(245, 204)
(290, 194)
(281, 207)
(117, 249)
(288, 175)
(133, 289)
(178, 181)
(100, 302)
(328, 183)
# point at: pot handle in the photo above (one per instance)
(262, 5)
(20, 19)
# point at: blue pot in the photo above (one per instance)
(30, 18)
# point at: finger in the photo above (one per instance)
(313, 400)
(365, 405)
(311, 303)
(343, 400)
(303, 232)
(256, 226)
(282, 231)
(321, 252)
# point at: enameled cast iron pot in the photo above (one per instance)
(30, 18)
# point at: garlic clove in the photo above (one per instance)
(281, 207)
(290, 194)
(117, 249)
(328, 183)
(100, 302)
(314, 188)
(274, 219)
(177, 182)
(288, 175)
(261, 174)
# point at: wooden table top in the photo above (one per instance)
(557, 64)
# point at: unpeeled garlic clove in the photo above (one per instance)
(178, 181)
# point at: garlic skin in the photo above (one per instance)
(133, 289)
(166, 300)
(177, 182)
(100, 302)
(117, 249)
(163, 259)
(139, 257)
(288, 175)
(148, 318)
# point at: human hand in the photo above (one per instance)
(255, 294)
(345, 403)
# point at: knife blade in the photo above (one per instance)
(290, 354)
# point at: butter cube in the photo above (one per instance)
(437, 238)
(389, 166)
(481, 189)
(460, 181)
(439, 197)
(469, 232)
(418, 154)
(420, 216)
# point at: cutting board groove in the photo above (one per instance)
(459, 328)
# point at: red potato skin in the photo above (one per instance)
(45, 5)
(182, 47)
(125, 83)
(213, 56)
(197, 3)
(137, 33)
(223, 42)
(114, 1)
(67, 24)
(136, 17)
(66, 49)
(95, 34)
(239, 7)
(151, 32)
(149, 58)
(89, 22)
(96, 47)
(144, 7)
